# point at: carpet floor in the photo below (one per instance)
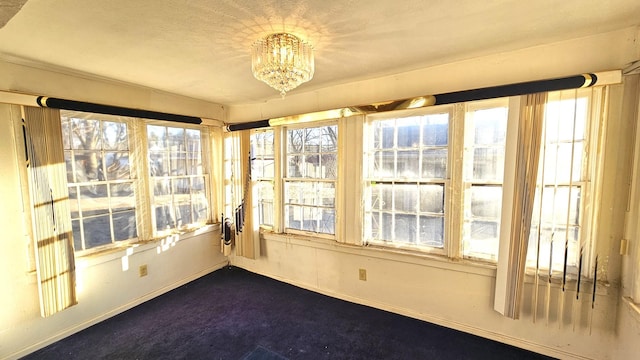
(235, 314)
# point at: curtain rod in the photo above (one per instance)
(50, 102)
(530, 87)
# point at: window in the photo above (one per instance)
(563, 175)
(310, 179)
(407, 173)
(484, 137)
(104, 171)
(178, 181)
(262, 174)
(417, 196)
(100, 180)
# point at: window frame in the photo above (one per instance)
(281, 183)
(369, 147)
(142, 181)
(206, 171)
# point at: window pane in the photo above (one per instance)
(405, 228)
(74, 206)
(193, 141)
(556, 202)
(328, 168)
(555, 249)
(330, 139)
(435, 130)
(383, 163)
(295, 166)
(97, 231)
(115, 136)
(406, 198)
(432, 198)
(326, 194)
(68, 160)
(77, 235)
(199, 209)
(488, 164)
(408, 132)
(382, 197)
(164, 218)
(434, 164)
(161, 187)
(432, 231)
(295, 141)
(157, 137)
(407, 164)
(86, 134)
(94, 200)
(122, 197)
(558, 163)
(124, 225)
(158, 163)
(486, 201)
(117, 165)
(194, 163)
(89, 166)
(490, 126)
(183, 213)
(481, 240)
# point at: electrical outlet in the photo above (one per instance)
(143, 270)
(362, 274)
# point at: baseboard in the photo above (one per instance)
(79, 327)
(517, 342)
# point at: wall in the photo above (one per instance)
(460, 294)
(26, 79)
(108, 283)
(559, 59)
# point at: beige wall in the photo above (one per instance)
(459, 295)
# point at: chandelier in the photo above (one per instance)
(283, 61)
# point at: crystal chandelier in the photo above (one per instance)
(283, 61)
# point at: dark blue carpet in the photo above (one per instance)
(234, 314)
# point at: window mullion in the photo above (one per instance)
(144, 187)
(454, 213)
(278, 199)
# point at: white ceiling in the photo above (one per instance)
(201, 48)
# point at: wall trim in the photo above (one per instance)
(79, 327)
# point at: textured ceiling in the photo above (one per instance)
(200, 48)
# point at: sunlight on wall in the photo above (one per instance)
(167, 243)
(125, 258)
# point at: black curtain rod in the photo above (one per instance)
(44, 101)
(530, 87)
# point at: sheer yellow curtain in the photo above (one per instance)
(513, 255)
(247, 241)
(50, 209)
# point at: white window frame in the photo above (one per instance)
(446, 182)
(204, 140)
(281, 183)
(142, 181)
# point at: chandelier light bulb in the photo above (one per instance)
(283, 61)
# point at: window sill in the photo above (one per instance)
(117, 251)
(398, 255)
